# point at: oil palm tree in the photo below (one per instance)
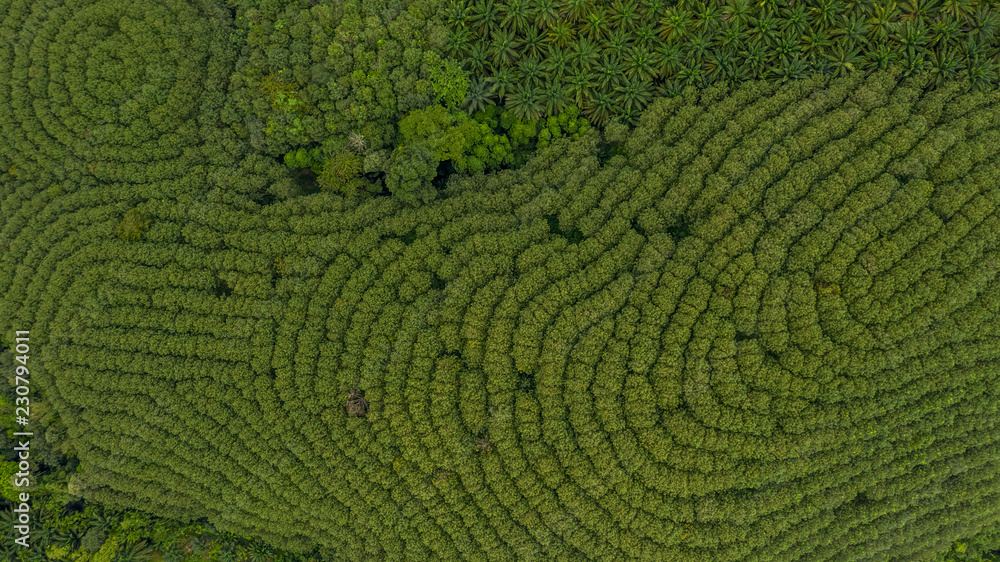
(557, 63)
(788, 44)
(484, 17)
(651, 10)
(675, 24)
(574, 11)
(135, 552)
(524, 102)
(533, 44)
(668, 59)
(699, 46)
(738, 11)
(259, 552)
(457, 14)
(733, 34)
(504, 50)
(883, 22)
(458, 43)
(628, 116)
(945, 65)
(860, 8)
(618, 43)
(561, 34)
(670, 89)
(692, 75)
(915, 61)
(609, 72)
(815, 42)
(756, 60)
(795, 18)
(764, 28)
(944, 31)
(912, 36)
(529, 70)
(792, 67)
(478, 59)
(580, 86)
(584, 54)
(957, 8)
(546, 13)
(516, 16)
(844, 59)
(645, 34)
(479, 96)
(852, 31)
(503, 82)
(596, 25)
(974, 48)
(624, 15)
(825, 12)
(881, 57)
(599, 109)
(32, 555)
(918, 9)
(982, 74)
(639, 64)
(554, 97)
(736, 73)
(707, 16)
(719, 62)
(767, 6)
(983, 24)
(633, 95)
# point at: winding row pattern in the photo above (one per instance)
(767, 331)
(122, 92)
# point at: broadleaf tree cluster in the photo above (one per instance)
(761, 326)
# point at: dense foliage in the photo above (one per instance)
(764, 328)
(747, 322)
(612, 58)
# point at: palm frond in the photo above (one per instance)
(600, 109)
(792, 68)
(668, 59)
(596, 25)
(534, 45)
(574, 11)
(844, 60)
(708, 16)
(639, 63)
(484, 17)
(479, 96)
(675, 24)
(554, 97)
(561, 34)
(503, 82)
(609, 72)
(945, 65)
(516, 16)
(633, 95)
(529, 71)
(580, 86)
(585, 54)
(546, 13)
(624, 15)
(737, 12)
(459, 43)
(524, 102)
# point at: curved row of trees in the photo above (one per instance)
(762, 328)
